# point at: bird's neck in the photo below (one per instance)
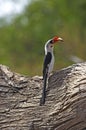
(48, 52)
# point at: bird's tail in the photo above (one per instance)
(42, 100)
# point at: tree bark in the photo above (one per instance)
(64, 108)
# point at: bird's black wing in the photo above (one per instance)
(47, 61)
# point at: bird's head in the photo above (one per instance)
(50, 43)
(56, 39)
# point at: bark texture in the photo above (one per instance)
(65, 106)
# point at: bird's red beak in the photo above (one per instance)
(56, 39)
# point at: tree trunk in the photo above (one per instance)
(64, 108)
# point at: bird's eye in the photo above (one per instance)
(51, 41)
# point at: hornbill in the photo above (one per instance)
(48, 63)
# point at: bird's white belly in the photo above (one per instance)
(51, 65)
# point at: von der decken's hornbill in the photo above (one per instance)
(48, 63)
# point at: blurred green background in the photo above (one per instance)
(22, 39)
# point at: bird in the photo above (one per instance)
(49, 56)
(48, 63)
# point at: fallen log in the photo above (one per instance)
(64, 108)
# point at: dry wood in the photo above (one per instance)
(65, 106)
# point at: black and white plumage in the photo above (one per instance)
(48, 63)
(49, 58)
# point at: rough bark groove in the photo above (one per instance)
(65, 106)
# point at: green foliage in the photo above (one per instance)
(22, 41)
